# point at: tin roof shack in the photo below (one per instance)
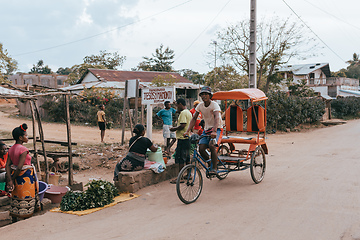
(318, 77)
(33, 79)
(106, 78)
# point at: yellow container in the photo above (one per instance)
(54, 178)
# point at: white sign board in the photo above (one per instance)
(157, 95)
(131, 90)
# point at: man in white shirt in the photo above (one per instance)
(210, 111)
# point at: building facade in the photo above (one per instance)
(34, 79)
(318, 77)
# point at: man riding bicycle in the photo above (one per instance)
(210, 111)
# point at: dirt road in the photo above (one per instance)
(57, 131)
(310, 191)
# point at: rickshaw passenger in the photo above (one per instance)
(210, 111)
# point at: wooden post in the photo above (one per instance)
(130, 120)
(142, 114)
(136, 102)
(68, 127)
(124, 113)
(31, 102)
(41, 133)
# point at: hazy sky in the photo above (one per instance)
(63, 32)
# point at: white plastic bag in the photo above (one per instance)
(157, 167)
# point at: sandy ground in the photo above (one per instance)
(310, 191)
(94, 155)
(57, 131)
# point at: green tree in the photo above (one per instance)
(7, 64)
(108, 60)
(353, 70)
(355, 60)
(300, 89)
(41, 68)
(225, 78)
(102, 61)
(77, 71)
(278, 41)
(161, 61)
(63, 71)
(163, 81)
(193, 76)
(340, 73)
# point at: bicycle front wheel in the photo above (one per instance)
(258, 165)
(189, 184)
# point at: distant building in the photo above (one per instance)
(46, 80)
(115, 79)
(318, 77)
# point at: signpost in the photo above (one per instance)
(155, 95)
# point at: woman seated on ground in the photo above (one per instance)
(21, 177)
(3, 159)
(135, 158)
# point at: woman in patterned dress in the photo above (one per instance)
(138, 146)
(21, 177)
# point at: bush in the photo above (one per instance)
(348, 107)
(285, 111)
(83, 110)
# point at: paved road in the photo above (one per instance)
(310, 191)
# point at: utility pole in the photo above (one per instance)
(215, 71)
(252, 58)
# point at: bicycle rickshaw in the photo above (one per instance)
(238, 119)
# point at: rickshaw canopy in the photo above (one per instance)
(253, 94)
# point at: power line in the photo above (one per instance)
(332, 15)
(102, 33)
(312, 31)
(203, 30)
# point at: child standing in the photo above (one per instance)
(101, 121)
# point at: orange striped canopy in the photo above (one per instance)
(253, 94)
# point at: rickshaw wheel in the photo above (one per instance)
(223, 150)
(258, 165)
(189, 184)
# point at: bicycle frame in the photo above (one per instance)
(200, 160)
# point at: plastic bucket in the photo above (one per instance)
(42, 188)
(156, 156)
(55, 193)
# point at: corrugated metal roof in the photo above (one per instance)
(304, 69)
(121, 85)
(6, 91)
(121, 76)
(99, 84)
(177, 85)
(357, 93)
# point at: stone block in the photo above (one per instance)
(133, 181)
(4, 215)
(126, 178)
(46, 202)
(5, 200)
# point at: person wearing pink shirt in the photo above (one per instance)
(21, 177)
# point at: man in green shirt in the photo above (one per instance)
(182, 154)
